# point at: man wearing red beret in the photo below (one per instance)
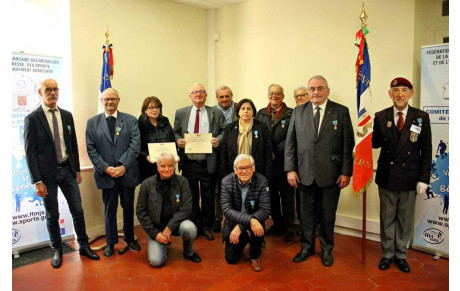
(404, 135)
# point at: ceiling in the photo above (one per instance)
(209, 4)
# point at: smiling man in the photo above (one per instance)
(404, 135)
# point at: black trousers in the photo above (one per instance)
(327, 198)
(202, 185)
(282, 203)
(233, 252)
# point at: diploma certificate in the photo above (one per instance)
(198, 143)
(155, 149)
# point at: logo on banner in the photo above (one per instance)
(433, 236)
(16, 235)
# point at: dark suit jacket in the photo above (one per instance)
(402, 162)
(322, 160)
(149, 204)
(231, 203)
(39, 146)
(261, 149)
(123, 150)
(216, 127)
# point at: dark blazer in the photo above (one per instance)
(322, 160)
(231, 203)
(149, 203)
(278, 132)
(39, 146)
(216, 127)
(402, 162)
(123, 150)
(261, 149)
(152, 134)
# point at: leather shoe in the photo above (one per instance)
(56, 261)
(288, 236)
(256, 265)
(385, 263)
(216, 226)
(208, 234)
(134, 246)
(302, 256)
(194, 257)
(108, 251)
(327, 259)
(89, 253)
(403, 266)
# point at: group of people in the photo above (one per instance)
(277, 161)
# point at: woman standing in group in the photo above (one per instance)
(154, 128)
(246, 136)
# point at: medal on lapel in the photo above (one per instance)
(389, 124)
(419, 120)
(256, 132)
(118, 130)
(177, 198)
(413, 136)
(334, 122)
(283, 123)
(253, 203)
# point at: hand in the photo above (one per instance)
(161, 238)
(150, 161)
(293, 179)
(343, 181)
(256, 227)
(215, 142)
(167, 234)
(41, 190)
(235, 235)
(119, 171)
(421, 188)
(79, 178)
(110, 171)
(181, 143)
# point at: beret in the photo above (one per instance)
(401, 82)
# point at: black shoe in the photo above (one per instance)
(194, 257)
(134, 246)
(327, 259)
(302, 256)
(403, 266)
(208, 234)
(56, 261)
(288, 236)
(385, 263)
(108, 251)
(88, 252)
(273, 230)
(216, 226)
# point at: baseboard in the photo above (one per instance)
(353, 226)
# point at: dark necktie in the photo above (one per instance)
(57, 139)
(400, 123)
(111, 121)
(316, 119)
(196, 129)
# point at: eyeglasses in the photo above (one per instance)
(275, 93)
(300, 95)
(198, 91)
(244, 169)
(313, 89)
(106, 100)
(154, 108)
(49, 90)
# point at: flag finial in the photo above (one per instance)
(107, 42)
(363, 17)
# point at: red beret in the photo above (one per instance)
(399, 82)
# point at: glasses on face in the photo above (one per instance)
(49, 90)
(153, 108)
(300, 95)
(107, 100)
(244, 169)
(275, 93)
(313, 89)
(198, 91)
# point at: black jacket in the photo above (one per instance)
(261, 149)
(278, 134)
(152, 134)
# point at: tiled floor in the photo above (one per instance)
(131, 270)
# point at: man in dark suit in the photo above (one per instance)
(404, 135)
(52, 157)
(318, 154)
(226, 104)
(246, 205)
(200, 169)
(113, 144)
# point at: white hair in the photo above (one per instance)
(166, 156)
(242, 157)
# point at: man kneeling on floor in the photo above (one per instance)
(245, 200)
(164, 207)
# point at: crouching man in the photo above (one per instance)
(245, 203)
(164, 207)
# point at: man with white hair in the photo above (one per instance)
(164, 208)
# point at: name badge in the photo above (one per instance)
(415, 128)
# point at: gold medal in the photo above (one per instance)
(389, 124)
(335, 127)
(118, 133)
(177, 200)
(413, 136)
(282, 126)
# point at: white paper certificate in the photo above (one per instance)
(155, 149)
(198, 143)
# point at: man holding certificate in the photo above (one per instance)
(198, 130)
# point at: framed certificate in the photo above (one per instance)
(198, 143)
(155, 149)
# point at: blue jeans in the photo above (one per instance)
(157, 253)
(69, 187)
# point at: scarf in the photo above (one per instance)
(228, 113)
(245, 138)
(278, 112)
